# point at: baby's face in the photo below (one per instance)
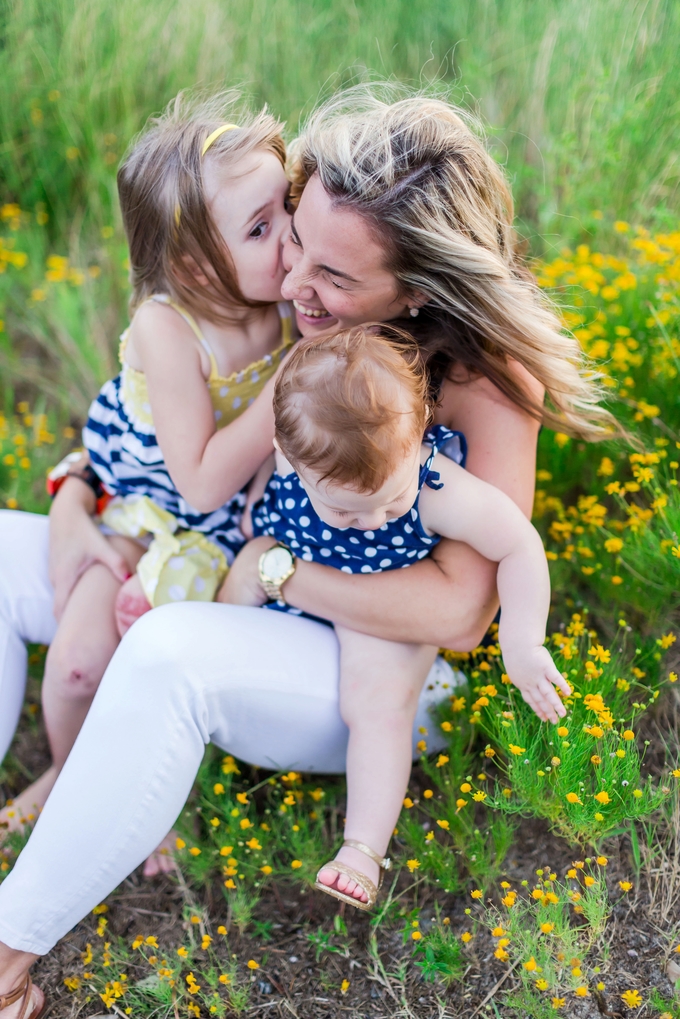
(341, 506)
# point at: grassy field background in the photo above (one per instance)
(581, 103)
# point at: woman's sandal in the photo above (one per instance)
(25, 992)
(364, 882)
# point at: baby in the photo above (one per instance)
(358, 487)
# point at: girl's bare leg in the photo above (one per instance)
(82, 649)
(380, 682)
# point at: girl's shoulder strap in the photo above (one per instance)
(193, 325)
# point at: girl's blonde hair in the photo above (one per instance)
(349, 406)
(440, 205)
(162, 197)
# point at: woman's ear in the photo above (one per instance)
(415, 302)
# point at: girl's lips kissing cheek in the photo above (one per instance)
(311, 314)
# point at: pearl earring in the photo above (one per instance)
(414, 312)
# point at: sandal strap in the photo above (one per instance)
(8, 999)
(362, 880)
(383, 862)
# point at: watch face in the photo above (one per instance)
(277, 563)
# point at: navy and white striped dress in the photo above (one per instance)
(120, 437)
(285, 513)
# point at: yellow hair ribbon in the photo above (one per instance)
(212, 138)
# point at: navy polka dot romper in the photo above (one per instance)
(286, 513)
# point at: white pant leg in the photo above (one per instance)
(263, 685)
(25, 608)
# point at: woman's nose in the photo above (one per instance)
(294, 285)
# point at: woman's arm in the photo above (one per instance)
(76, 542)
(450, 598)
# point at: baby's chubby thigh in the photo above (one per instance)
(380, 680)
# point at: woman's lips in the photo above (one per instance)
(312, 314)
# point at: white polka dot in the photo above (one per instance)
(304, 502)
(224, 390)
(414, 514)
(294, 544)
(255, 377)
(355, 541)
(369, 534)
(288, 485)
(291, 534)
(384, 527)
(384, 563)
(304, 521)
(218, 415)
(177, 592)
(199, 584)
(325, 552)
(366, 569)
(274, 517)
(214, 563)
(397, 540)
(423, 553)
(345, 569)
(408, 528)
(146, 407)
(307, 556)
(237, 403)
(240, 377)
(338, 548)
(410, 554)
(326, 535)
(176, 562)
(289, 504)
(370, 552)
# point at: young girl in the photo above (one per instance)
(173, 439)
(357, 487)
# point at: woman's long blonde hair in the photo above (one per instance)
(413, 166)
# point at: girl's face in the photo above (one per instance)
(336, 276)
(249, 208)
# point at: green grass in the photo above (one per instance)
(580, 99)
(581, 105)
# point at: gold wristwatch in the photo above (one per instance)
(275, 567)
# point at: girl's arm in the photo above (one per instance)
(450, 598)
(473, 511)
(208, 467)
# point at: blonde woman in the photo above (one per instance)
(401, 215)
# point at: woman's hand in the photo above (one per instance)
(76, 542)
(242, 586)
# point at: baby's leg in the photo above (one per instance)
(380, 682)
(80, 652)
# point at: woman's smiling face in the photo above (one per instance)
(336, 276)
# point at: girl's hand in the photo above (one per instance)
(242, 586)
(535, 675)
(76, 542)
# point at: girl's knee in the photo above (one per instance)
(70, 672)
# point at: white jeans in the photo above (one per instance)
(261, 685)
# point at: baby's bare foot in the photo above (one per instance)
(25, 808)
(131, 603)
(162, 860)
(358, 861)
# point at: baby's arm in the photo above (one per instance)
(470, 510)
(208, 467)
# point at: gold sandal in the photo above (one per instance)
(364, 882)
(25, 992)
